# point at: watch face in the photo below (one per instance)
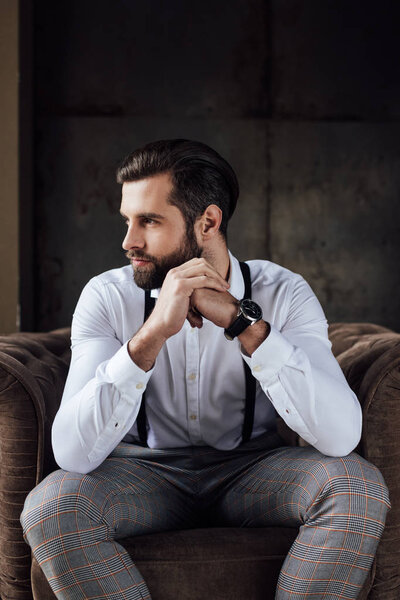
(251, 310)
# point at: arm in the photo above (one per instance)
(107, 379)
(103, 391)
(296, 368)
(299, 374)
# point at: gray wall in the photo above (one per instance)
(302, 97)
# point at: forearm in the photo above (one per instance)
(145, 346)
(313, 399)
(95, 416)
(253, 336)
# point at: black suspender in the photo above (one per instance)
(149, 303)
(250, 380)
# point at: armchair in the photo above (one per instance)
(219, 563)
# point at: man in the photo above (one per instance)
(168, 417)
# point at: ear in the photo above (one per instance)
(208, 224)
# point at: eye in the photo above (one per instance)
(149, 221)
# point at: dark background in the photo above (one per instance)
(302, 97)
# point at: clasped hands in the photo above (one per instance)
(192, 291)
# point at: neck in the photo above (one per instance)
(218, 257)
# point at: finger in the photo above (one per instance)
(202, 281)
(201, 270)
(200, 264)
(195, 261)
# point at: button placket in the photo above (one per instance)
(192, 384)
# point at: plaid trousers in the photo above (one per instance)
(72, 521)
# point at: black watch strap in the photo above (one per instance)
(237, 327)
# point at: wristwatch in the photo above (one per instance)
(249, 313)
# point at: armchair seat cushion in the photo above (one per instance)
(220, 563)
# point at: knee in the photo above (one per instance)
(352, 482)
(61, 492)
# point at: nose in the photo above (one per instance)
(133, 239)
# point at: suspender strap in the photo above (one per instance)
(250, 404)
(149, 303)
(250, 380)
(244, 267)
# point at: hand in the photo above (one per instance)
(220, 307)
(173, 304)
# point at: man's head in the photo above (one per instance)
(176, 195)
(199, 175)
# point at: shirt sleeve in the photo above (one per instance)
(299, 374)
(103, 390)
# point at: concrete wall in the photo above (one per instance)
(301, 97)
(8, 166)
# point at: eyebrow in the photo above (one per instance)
(146, 215)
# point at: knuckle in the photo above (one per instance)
(174, 275)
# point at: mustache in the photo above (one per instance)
(138, 254)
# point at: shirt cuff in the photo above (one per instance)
(122, 372)
(270, 356)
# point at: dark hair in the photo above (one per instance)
(200, 176)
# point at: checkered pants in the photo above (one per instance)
(72, 521)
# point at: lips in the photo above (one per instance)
(139, 262)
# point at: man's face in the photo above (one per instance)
(157, 239)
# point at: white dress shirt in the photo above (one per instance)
(195, 392)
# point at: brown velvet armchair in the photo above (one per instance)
(218, 563)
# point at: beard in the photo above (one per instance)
(152, 276)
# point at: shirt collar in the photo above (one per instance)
(235, 280)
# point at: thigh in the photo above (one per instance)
(124, 495)
(289, 485)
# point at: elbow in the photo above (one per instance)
(69, 451)
(336, 450)
(69, 455)
(344, 436)
(71, 464)
(339, 444)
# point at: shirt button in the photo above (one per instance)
(288, 411)
(257, 368)
(116, 424)
(192, 376)
(139, 386)
(193, 417)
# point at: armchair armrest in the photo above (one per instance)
(369, 356)
(33, 368)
